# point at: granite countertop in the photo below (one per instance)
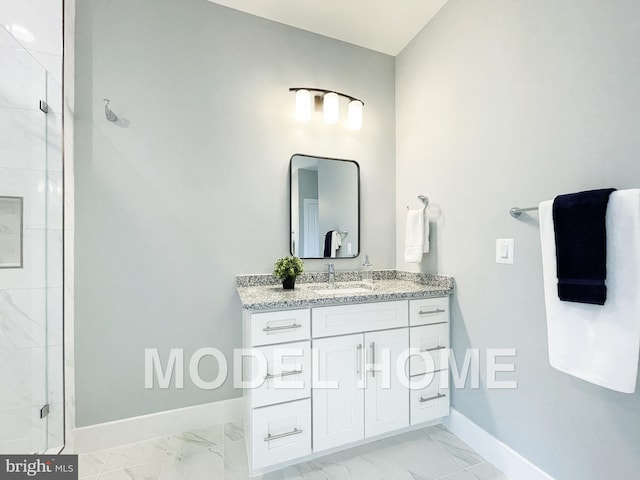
(263, 292)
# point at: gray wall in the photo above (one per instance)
(194, 190)
(338, 201)
(505, 103)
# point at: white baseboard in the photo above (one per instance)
(510, 462)
(146, 427)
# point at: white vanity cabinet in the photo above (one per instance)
(429, 333)
(348, 385)
(278, 420)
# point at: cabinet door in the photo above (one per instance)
(338, 413)
(386, 399)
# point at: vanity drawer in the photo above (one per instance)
(279, 327)
(430, 340)
(363, 317)
(428, 311)
(430, 402)
(280, 433)
(295, 368)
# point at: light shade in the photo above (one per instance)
(330, 107)
(354, 116)
(303, 105)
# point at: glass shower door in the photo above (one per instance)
(30, 280)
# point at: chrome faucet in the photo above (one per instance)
(331, 271)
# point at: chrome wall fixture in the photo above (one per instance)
(327, 102)
(515, 212)
(112, 117)
(424, 200)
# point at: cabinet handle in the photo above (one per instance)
(359, 354)
(439, 347)
(431, 312)
(284, 327)
(373, 358)
(269, 376)
(270, 437)
(435, 397)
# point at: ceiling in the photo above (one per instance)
(383, 25)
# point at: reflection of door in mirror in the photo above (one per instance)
(324, 199)
(311, 228)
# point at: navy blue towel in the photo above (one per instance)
(581, 245)
(327, 243)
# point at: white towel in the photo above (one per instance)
(425, 245)
(336, 243)
(417, 236)
(599, 344)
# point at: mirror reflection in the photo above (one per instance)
(324, 207)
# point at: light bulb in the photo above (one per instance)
(354, 117)
(330, 107)
(303, 105)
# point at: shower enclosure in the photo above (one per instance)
(31, 240)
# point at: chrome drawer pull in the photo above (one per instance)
(372, 346)
(284, 327)
(439, 347)
(440, 395)
(431, 312)
(270, 437)
(359, 354)
(269, 376)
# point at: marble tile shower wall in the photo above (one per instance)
(31, 297)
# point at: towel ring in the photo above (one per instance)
(424, 200)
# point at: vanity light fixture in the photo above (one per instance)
(303, 105)
(328, 102)
(354, 116)
(331, 107)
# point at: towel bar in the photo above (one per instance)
(515, 212)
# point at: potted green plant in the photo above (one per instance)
(287, 269)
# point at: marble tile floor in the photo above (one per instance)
(218, 453)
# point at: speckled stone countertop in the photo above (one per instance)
(265, 292)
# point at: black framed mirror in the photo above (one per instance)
(324, 207)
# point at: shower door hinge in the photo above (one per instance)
(44, 411)
(44, 106)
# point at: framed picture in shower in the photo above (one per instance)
(11, 212)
